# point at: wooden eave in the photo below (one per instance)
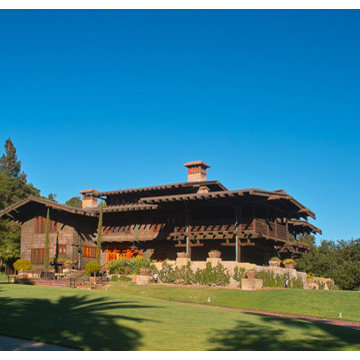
(124, 208)
(186, 184)
(13, 210)
(304, 224)
(232, 194)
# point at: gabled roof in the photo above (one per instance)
(13, 210)
(212, 184)
(299, 224)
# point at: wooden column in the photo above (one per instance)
(188, 247)
(237, 242)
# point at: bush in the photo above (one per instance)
(167, 273)
(131, 266)
(92, 267)
(22, 265)
(289, 261)
(184, 275)
(114, 278)
(124, 278)
(213, 276)
(239, 274)
(275, 258)
(271, 280)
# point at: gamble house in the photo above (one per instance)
(196, 216)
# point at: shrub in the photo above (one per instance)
(212, 276)
(114, 278)
(130, 266)
(92, 267)
(22, 265)
(279, 281)
(124, 278)
(239, 274)
(167, 273)
(184, 275)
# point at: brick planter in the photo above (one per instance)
(289, 266)
(251, 274)
(214, 254)
(274, 263)
(145, 272)
(183, 255)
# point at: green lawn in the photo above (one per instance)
(326, 304)
(128, 318)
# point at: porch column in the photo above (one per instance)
(188, 247)
(237, 243)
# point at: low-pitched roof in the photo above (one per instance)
(13, 209)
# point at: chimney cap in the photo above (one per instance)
(197, 163)
(88, 191)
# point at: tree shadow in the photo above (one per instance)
(74, 321)
(267, 333)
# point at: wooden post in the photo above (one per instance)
(237, 244)
(188, 247)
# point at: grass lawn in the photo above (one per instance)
(130, 318)
(319, 303)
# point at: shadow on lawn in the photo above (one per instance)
(271, 335)
(74, 321)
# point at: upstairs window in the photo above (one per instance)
(40, 225)
(89, 252)
(37, 256)
(62, 249)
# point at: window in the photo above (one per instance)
(62, 249)
(37, 256)
(40, 225)
(89, 252)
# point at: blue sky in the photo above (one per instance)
(118, 99)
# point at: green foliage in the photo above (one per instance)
(279, 281)
(212, 276)
(339, 261)
(22, 265)
(52, 197)
(239, 274)
(275, 258)
(289, 261)
(47, 241)
(92, 267)
(184, 275)
(167, 273)
(130, 266)
(124, 278)
(74, 202)
(99, 235)
(13, 188)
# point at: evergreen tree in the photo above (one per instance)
(99, 235)
(74, 202)
(13, 188)
(52, 197)
(47, 241)
(9, 166)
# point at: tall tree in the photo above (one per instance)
(47, 241)
(9, 165)
(52, 197)
(74, 202)
(99, 235)
(13, 188)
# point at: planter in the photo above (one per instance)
(275, 263)
(145, 272)
(68, 266)
(214, 254)
(22, 275)
(289, 266)
(251, 274)
(183, 255)
(94, 280)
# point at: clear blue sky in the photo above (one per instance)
(118, 99)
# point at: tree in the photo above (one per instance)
(47, 241)
(13, 188)
(52, 197)
(9, 165)
(99, 235)
(337, 260)
(74, 202)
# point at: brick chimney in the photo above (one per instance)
(196, 170)
(89, 198)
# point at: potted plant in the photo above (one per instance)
(275, 261)
(251, 274)
(289, 263)
(214, 254)
(182, 255)
(310, 278)
(144, 272)
(92, 268)
(21, 266)
(68, 264)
